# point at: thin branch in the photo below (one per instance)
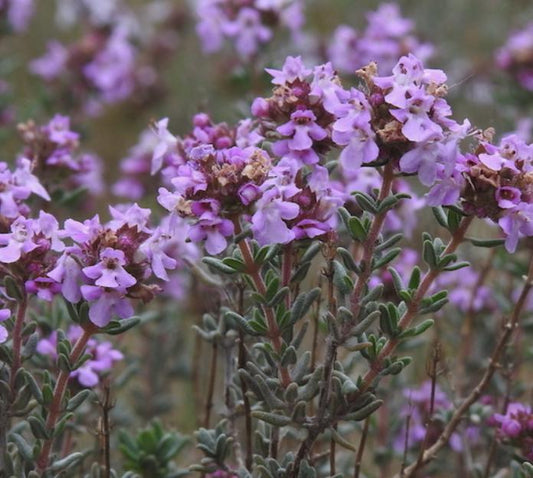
(59, 392)
(361, 449)
(211, 386)
(508, 329)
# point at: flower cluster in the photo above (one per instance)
(415, 118)
(18, 13)
(109, 264)
(249, 24)
(54, 152)
(117, 57)
(215, 172)
(499, 185)
(387, 37)
(516, 56)
(515, 426)
(101, 67)
(285, 186)
(103, 356)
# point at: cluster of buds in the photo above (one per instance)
(516, 56)
(53, 150)
(103, 356)
(247, 23)
(498, 185)
(387, 37)
(515, 427)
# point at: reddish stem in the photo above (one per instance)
(412, 308)
(59, 393)
(17, 340)
(274, 334)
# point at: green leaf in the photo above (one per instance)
(487, 242)
(25, 450)
(429, 254)
(34, 387)
(365, 323)
(272, 418)
(68, 461)
(356, 229)
(38, 427)
(338, 438)
(457, 266)
(417, 330)
(440, 216)
(119, 327)
(414, 281)
(78, 399)
(366, 202)
(236, 264)
(364, 412)
(218, 265)
(388, 257)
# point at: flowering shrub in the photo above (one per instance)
(350, 254)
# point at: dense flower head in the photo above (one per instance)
(213, 173)
(385, 39)
(515, 426)
(103, 356)
(516, 56)
(499, 185)
(55, 155)
(247, 24)
(110, 264)
(217, 172)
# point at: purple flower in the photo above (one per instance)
(67, 272)
(18, 242)
(303, 131)
(167, 142)
(508, 197)
(352, 129)
(517, 222)
(518, 418)
(248, 31)
(109, 272)
(417, 125)
(133, 216)
(293, 69)
(213, 230)
(105, 304)
(45, 288)
(268, 223)
(103, 358)
(53, 63)
(58, 130)
(112, 69)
